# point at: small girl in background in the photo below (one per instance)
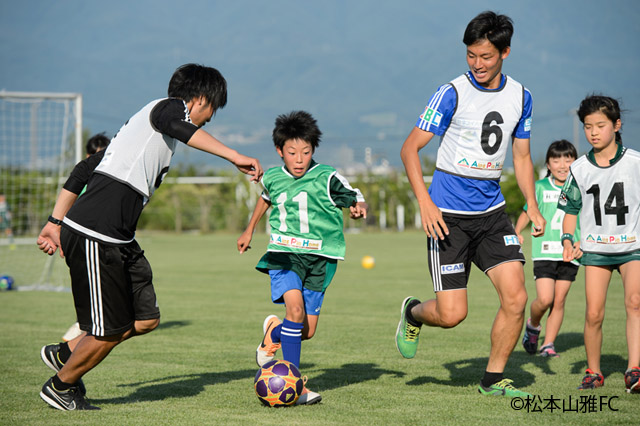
(603, 188)
(553, 275)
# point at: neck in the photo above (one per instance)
(605, 155)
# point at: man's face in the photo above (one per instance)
(485, 63)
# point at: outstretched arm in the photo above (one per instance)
(245, 239)
(432, 221)
(49, 239)
(205, 142)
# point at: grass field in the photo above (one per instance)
(198, 367)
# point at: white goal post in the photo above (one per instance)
(40, 142)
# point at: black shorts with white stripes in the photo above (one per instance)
(112, 285)
(487, 241)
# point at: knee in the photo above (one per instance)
(146, 326)
(545, 302)
(632, 304)
(308, 334)
(594, 317)
(516, 303)
(451, 319)
(295, 313)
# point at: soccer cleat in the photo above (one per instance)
(73, 332)
(530, 338)
(407, 335)
(68, 400)
(308, 397)
(592, 380)
(503, 388)
(632, 380)
(267, 348)
(50, 355)
(549, 351)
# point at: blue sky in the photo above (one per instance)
(364, 69)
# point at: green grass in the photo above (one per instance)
(198, 367)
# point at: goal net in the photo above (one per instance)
(40, 142)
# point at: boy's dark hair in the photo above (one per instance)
(604, 104)
(192, 81)
(560, 148)
(296, 125)
(498, 29)
(96, 143)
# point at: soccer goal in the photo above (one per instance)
(40, 142)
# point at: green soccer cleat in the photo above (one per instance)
(407, 335)
(503, 388)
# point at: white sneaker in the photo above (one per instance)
(308, 397)
(73, 332)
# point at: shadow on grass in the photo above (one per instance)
(468, 372)
(173, 324)
(349, 374)
(193, 384)
(176, 386)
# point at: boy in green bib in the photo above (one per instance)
(307, 237)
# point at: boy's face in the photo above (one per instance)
(485, 63)
(296, 155)
(200, 111)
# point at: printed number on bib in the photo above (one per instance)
(303, 215)
(615, 196)
(490, 126)
(556, 222)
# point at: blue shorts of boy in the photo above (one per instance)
(283, 280)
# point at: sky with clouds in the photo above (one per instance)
(364, 68)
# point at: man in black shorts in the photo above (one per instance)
(111, 279)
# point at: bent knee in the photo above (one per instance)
(451, 320)
(146, 326)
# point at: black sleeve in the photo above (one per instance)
(171, 117)
(82, 171)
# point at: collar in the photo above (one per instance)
(592, 157)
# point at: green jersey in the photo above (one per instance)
(548, 246)
(306, 216)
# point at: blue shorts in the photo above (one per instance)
(283, 280)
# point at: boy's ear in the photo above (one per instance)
(279, 151)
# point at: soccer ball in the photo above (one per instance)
(6, 283)
(278, 383)
(368, 262)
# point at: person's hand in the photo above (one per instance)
(432, 221)
(358, 211)
(243, 241)
(249, 166)
(49, 239)
(539, 223)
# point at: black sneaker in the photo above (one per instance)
(50, 355)
(530, 338)
(68, 400)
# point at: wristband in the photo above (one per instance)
(566, 236)
(54, 220)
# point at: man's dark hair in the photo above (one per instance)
(296, 125)
(488, 25)
(96, 143)
(193, 81)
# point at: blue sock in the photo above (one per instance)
(291, 338)
(275, 333)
